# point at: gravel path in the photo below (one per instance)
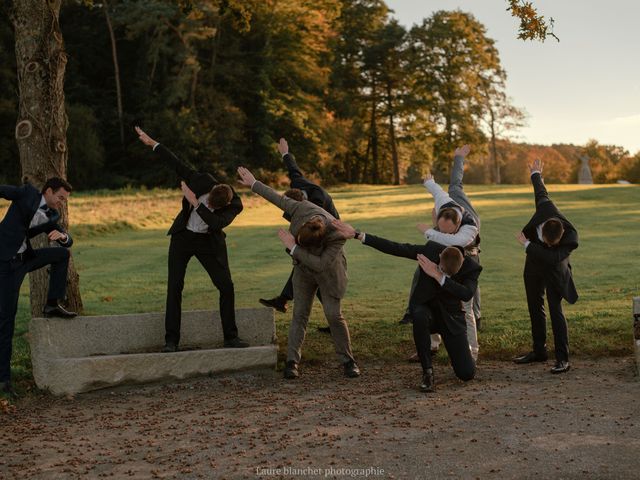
(510, 422)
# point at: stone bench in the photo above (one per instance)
(89, 353)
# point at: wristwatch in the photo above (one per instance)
(357, 235)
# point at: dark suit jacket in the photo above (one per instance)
(14, 228)
(552, 262)
(446, 298)
(315, 193)
(200, 183)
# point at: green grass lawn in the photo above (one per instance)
(123, 268)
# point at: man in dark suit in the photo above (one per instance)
(31, 213)
(207, 207)
(447, 278)
(316, 195)
(548, 239)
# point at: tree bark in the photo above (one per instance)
(41, 130)
(116, 68)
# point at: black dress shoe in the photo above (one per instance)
(407, 318)
(57, 310)
(531, 357)
(278, 303)
(170, 347)
(291, 370)
(324, 329)
(6, 390)
(428, 384)
(560, 367)
(236, 342)
(351, 369)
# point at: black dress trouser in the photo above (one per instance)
(424, 324)
(12, 273)
(213, 257)
(535, 285)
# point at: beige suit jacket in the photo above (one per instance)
(327, 264)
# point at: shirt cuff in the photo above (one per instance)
(443, 279)
(154, 147)
(363, 236)
(293, 249)
(526, 244)
(254, 182)
(536, 171)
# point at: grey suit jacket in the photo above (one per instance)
(327, 264)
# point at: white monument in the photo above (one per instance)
(584, 175)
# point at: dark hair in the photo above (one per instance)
(449, 213)
(312, 233)
(552, 231)
(451, 260)
(294, 193)
(55, 184)
(220, 196)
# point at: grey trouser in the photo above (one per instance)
(304, 290)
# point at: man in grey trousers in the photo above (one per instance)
(318, 262)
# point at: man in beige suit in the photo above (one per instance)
(318, 262)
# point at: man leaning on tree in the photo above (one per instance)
(31, 213)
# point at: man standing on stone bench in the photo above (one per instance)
(31, 213)
(318, 262)
(207, 207)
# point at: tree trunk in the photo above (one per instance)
(41, 130)
(392, 136)
(374, 137)
(116, 69)
(494, 148)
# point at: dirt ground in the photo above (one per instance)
(510, 422)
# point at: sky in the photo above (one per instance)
(587, 86)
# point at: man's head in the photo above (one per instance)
(451, 259)
(312, 233)
(552, 231)
(295, 193)
(55, 192)
(449, 220)
(220, 196)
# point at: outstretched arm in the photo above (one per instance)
(440, 197)
(182, 169)
(285, 204)
(463, 237)
(539, 190)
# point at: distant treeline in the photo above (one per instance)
(360, 98)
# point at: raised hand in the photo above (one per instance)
(344, 229)
(427, 177)
(429, 267)
(283, 147)
(521, 238)
(422, 227)
(188, 194)
(246, 177)
(286, 238)
(535, 166)
(144, 138)
(462, 151)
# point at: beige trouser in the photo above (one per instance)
(304, 290)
